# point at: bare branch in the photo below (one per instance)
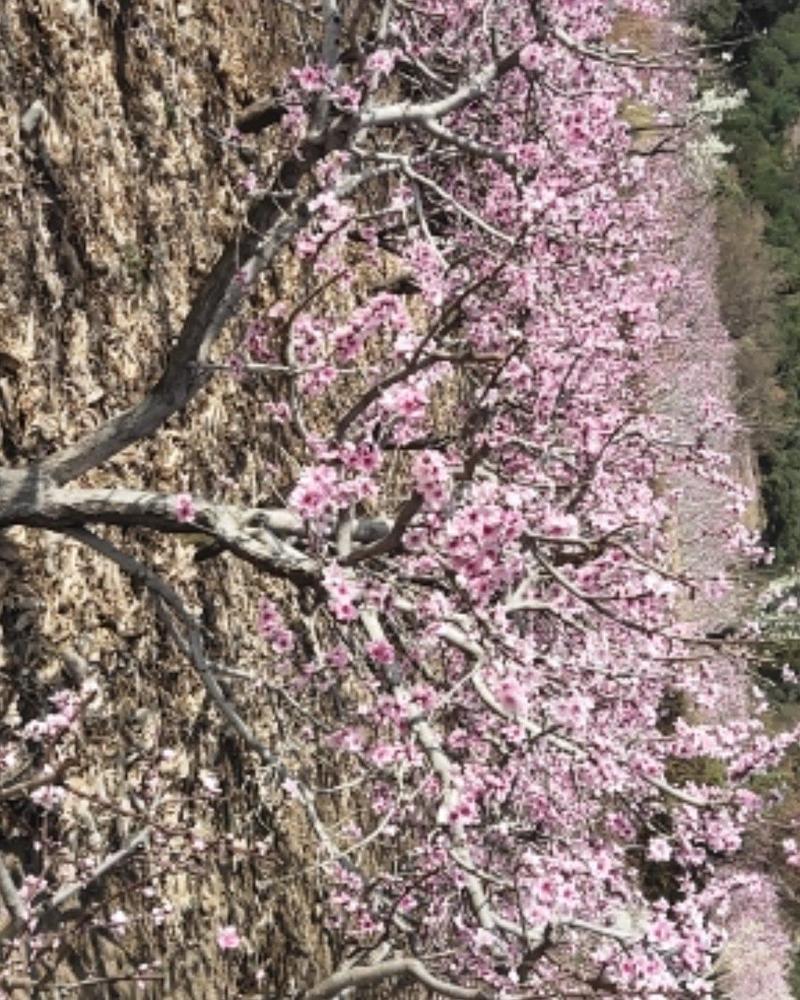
(391, 540)
(616, 56)
(366, 975)
(14, 905)
(112, 861)
(271, 222)
(191, 645)
(455, 204)
(259, 115)
(679, 795)
(408, 114)
(467, 145)
(245, 532)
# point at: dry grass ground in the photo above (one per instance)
(117, 189)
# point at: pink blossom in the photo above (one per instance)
(659, 849)
(560, 524)
(160, 914)
(380, 63)
(210, 782)
(249, 182)
(311, 79)
(184, 508)
(512, 697)
(381, 652)
(791, 851)
(291, 787)
(574, 711)
(119, 922)
(338, 657)
(532, 57)
(347, 98)
(431, 478)
(49, 797)
(272, 627)
(55, 724)
(31, 886)
(363, 457)
(315, 494)
(343, 593)
(350, 740)
(228, 938)
(383, 754)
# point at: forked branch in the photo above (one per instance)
(360, 976)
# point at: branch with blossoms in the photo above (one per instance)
(473, 608)
(30, 910)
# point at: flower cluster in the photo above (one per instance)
(432, 478)
(272, 627)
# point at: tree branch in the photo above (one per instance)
(271, 222)
(14, 905)
(105, 866)
(245, 532)
(407, 114)
(191, 645)
(255, 534)
(366, 975)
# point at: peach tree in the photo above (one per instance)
(455, 284)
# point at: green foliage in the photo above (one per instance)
(764, 134)
(781, 496)
(739, 23)
(717, 18)
(749, 280)
(794, 976)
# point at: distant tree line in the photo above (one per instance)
(759, 222)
